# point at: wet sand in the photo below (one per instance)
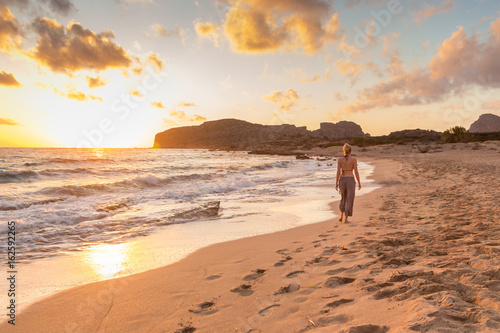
(419, 254)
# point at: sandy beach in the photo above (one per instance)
(419, 254)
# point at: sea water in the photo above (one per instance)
(85, 215)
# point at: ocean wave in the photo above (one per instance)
(272, 165)
(142, 182)
(23, 205)
(41, 240)
(18, 176)
(67, 160)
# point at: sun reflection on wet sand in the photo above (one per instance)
(108, 260)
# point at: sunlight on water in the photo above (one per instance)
(107, 260)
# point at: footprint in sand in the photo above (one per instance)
(243, 290)
(367, 329)
(212, 277)
(339, 302)
(336, 271)
(188, 329)
(288, 289)
(337, 319)
(268, 310)
(293, 274)
(337, 281)
(255, 275)
(205, 308)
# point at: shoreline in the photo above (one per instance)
(122, 282)
(411, 259)
(49, 276)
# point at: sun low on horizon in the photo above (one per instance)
(113, 73)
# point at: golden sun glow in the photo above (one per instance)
(107, 260)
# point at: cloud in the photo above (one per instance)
(208, 30)
(95, 82)
(135, 92)
(63, 7)
(42, 7)
(461, 63)
(76, 95)
(75, 48)
(10, 122)
(466, 58)
(157, 30)
(158, 105)
(185, 104)
(287, 25)
(10, 30)
(493, 104)
(156, 61)
(299, 75)
(424, 13)
(285, 100)
(181, 117)
(8, 79)
(348, 67)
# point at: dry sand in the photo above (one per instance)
(419, 255)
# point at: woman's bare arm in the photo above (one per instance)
(356, 173)
(338, 175)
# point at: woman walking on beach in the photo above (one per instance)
(347, 167)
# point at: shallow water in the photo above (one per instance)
(90, 215)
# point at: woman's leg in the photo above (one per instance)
(349, 197)
(342, 189)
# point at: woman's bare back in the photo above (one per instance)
(347, 165)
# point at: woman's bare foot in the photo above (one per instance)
(345, 221)
(341, 216)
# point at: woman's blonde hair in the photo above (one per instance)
(347, 148)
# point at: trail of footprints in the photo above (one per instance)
(457, 306)
(333, 281)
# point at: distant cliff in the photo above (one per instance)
(240, 135)
(486, 123)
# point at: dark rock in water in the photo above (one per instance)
(209, 209)
(487, 122)
(302, 157)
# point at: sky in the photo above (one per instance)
(113, 73)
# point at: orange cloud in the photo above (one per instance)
(158, 105)
(10, 30)
(186, 104)
(461, 62)
(285, 100)
(288, 25)
(208, 30)
(427, 12)
(10, 122)
(181, 117)
(8, 79)
(348, 68)
(157, 30)
(137, 93)
(95, 82)
(76, 95)
(75, 48)
(156, 61)
(96, 98)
